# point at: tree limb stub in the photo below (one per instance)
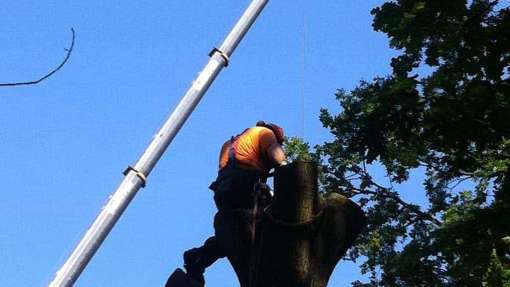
(34, 82)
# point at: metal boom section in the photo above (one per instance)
(136, 176)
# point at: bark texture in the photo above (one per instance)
(299, 238)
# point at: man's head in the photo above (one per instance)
(277, 130)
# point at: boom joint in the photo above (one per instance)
(140, 175)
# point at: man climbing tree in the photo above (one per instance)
(449, 120)
(244, 164)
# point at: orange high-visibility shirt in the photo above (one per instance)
(251, 150)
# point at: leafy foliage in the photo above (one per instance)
(444, 111)
(297, 149)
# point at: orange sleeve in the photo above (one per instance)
(266, 139)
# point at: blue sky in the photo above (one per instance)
(65, 142)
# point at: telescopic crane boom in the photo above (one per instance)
(136, 176)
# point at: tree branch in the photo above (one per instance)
(387, 193)
(69, 51)
(457, 182)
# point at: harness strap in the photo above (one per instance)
(232, 150)
(232, 153)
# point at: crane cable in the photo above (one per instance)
(302, 73)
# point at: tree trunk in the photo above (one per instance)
(301, 236)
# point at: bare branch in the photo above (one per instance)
(69, 51)
(457, 182)
(387, 194)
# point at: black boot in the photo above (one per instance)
(193, 265)
(181, 279)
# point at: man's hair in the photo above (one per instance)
(277, 130)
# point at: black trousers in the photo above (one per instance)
(233, 190)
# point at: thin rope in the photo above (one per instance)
(302, 75)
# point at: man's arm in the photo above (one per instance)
(276, 154)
